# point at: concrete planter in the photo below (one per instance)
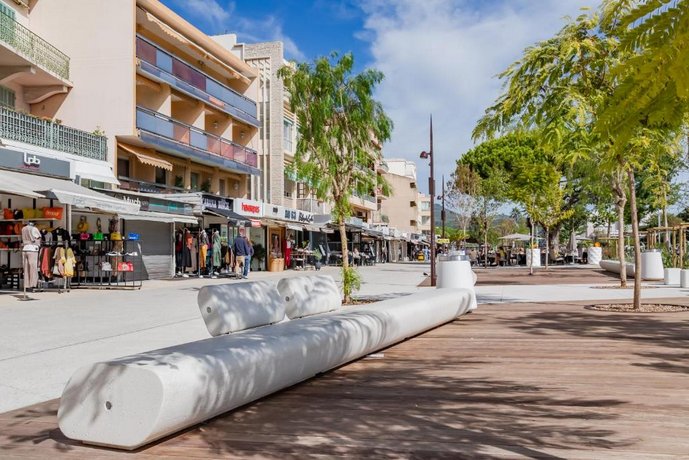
(672, 276)
(652, 266)
(595, 255)
(684, 278)
(536, 255)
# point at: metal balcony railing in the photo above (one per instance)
(188, 79)
(25, 128)
(32, 47)
(181, 133)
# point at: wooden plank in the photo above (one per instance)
(509, 381)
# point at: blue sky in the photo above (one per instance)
(439, 56)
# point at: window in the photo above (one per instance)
(301, 190)
(425, 205)
(287, 129)
(412, 185)
(123, 167)
(222, 187)
(194, 181)
(161, 176)
(6, 96)
(425, 220)
(412, 204)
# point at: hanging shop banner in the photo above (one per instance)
(34, 164)
(249, 208)
(152, 204)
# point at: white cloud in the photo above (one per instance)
(441, 57)
(210, 11)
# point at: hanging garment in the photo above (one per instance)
(216, 249)
(59, 258)
(194, 255)
(45, 263)
(203, 251)
(69, 263)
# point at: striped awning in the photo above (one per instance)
(145, 158)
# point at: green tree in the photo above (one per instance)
(653, 88)
(340, 125)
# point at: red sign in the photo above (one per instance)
(253, 209)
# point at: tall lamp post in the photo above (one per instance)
(442, 212)
(431, 191)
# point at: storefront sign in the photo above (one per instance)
(152, 204)
(34, 164)
(288, 214)
(217, 202)
(248, 207)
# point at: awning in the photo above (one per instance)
(96, 172)
(273, 223)
(149, 216)
(327, 230)
(228, 214)
(65, 191)
(145, 158)
(295, 227)
(312, 228)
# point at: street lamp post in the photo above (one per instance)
(442, 212)
(431, 192)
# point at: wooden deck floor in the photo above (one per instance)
(509, 381)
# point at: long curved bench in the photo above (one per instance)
(132, 401)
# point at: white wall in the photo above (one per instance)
(98, 36)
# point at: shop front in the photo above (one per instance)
(39, 190)
(154, 229)
(292, 230)
(260, 235)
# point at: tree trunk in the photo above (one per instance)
(485, 243)
(547, 246)
(346, 285)
(637, 242)
(620, 202)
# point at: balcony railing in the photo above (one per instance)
(311, 205)
(186, 135)
(184, 77)
(32, 47)
(25, 128)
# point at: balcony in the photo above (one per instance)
(311, 205)
(32, 48)
(180, 139)
(25, 128)
(136, 185)
(164, 67)
(382, 167)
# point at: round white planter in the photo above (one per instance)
(456, 274)
(684, 278)
(536, 254)
(672, 276)
(652, 266)
(595, 255)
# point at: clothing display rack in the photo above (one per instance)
(108, 264)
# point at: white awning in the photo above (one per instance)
(65, 191)
(296, 227)
(100, 172)
(149, 216)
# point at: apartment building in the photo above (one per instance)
(36, 81)
(402, 209)
(425, 215)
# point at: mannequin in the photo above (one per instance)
(31, 243)
(216, 252)
(203, 250)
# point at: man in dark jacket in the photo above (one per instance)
(242, 251)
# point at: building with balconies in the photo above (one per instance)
(178, 109)
(35, 82)
(402, 209)
(425, 214)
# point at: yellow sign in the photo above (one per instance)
(443, 240)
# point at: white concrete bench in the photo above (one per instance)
(132, 401)
(309, 295)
